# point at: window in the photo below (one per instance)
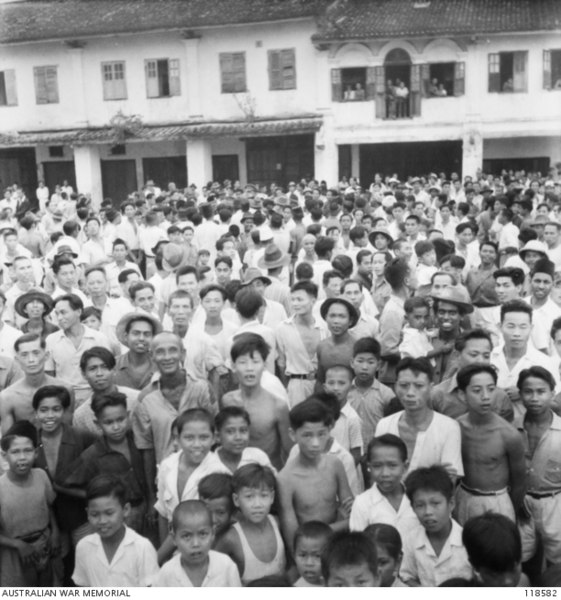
(353, 84)
(46, 85)
(162, 78)
(232, 72)
(282, 69)
(443, 79)
(56, 151)
(113, 77)
(118, 150)
(8, 94)
(552, 69)
(508, 72)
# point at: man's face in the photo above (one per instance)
(301, 302)
(476, 351)
(31, 357)
(440, 283)
(189, 284)
(466, 236)
(180, 311)
(413, 390)
(66, 277)
(96, 283)
(411, 227)
(145, 299)
(541, 284)
(447, 316)
(139, 336)
(551, 235)
(478, 394)
(353, 294)
(168, 354)
(119, 253)
(338, 319)
(516, 328)
(23, 271)
(333, 287)
(223, 273)
(92, 229)
(213, 303)
(67, 317)
(506, 290)
(11, 242)
(132, 278)
(98, 374)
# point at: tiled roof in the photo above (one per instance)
(71, 19)
(369, 19)
(179, 131)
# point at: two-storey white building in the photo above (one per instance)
(110, 93)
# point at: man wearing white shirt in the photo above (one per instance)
(508, 237)
(552, 237)
(8, 334)
(96, 250)
(42, 194)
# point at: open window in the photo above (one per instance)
(355, 84)
(508, 72)
(162, 78)
(552, 69)
(441, 80)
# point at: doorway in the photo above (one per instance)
(118, 179)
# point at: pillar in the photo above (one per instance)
(355, 160)
(193, 90)
(326, 156)
(199, 162)
(88, 173)
(472, 151)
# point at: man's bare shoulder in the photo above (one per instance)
(233, 398)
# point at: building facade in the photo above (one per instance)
(107, 94)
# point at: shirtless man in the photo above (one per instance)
(492, 451)
(15, 400)
(313, 485)
(431, 438)
(297, 340)
(268, 414)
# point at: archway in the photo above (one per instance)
(397, 73)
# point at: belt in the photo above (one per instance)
(307, 376)
(475, 492)
(540, 495)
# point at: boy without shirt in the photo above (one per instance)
(313, 486)
(268, 414)
(492, 451)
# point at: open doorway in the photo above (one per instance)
(398, 84)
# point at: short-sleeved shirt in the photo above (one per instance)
(124, 374)
(391, 323)
(135, 563)
(421, 564)
(84, 417)
(8, 337)
(370, 406)
(509, 378)
(348, 429)
(222, 572)
(439, 444)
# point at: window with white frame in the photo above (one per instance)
(114, 83)
(8, 93)
(162, 77)
(46, 84)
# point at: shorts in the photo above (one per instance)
(299, 389)
(545, 522)
(469, 504)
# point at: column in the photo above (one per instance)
(199, 162)
(472, 151)
(88, 173)
(193, 87)
(76, 52)
(355, 160)
(326, 155)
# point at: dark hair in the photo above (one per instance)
(139, 317)
(367, 345)
(343, 264)
(518, 306)
(74, 301)
(423, 247)
(192, 415)
(492, 541)
(515, 274)
(180, 294)
(386, 536)
(465, 374)
(555, 327)
(186, 270)
(434, 479)
(118, 241)
(248, 302)
(493, 245)
(331, 274)
(395, 273)
(109, 399)
(253, 475)
(306, 286)
(348, 549)
(388, 440)
(216, 485)
(52, 391)
(90, 311)
(104, 486)
(98, 352)
(472, 334)
(314, 530)
(249, 343)
(213, 287)
(417, 365)
(60, 262)
(124, 275)
(323, 246)
(346, 368)
(539, 373)
(303, 272)
(361, 255)
(456, 261)
(138, 287)
(230, 412)
(223, 259)
(544, 265)
(312, 410)
(348, 282)
(415, 302)
(93, 269)
(29, 337)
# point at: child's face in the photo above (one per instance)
(92, 322)
(338, 382)
(221, 512)
(107, 516)
(557, 342)
(195, 439)
(352, 576)
(418, 318)
(433, 510)
(193, 538)
(364, 364)
(388, 566)
(114, 422)
(234, 435)
(308, 558)
(536, 395)
(429, 258)
(254, 503)
(312, 439)
(49, 414)
(204, 259)
(249, 368)
(387, 468)
(20, 456)
(478, 395)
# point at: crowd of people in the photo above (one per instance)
(258, 386)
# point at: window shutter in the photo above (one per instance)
(226, 73)
(494, 68)
(415, 95)
(520, 74)
(370, 83)
(41, 96)
(425, 78)
(151, 69)
(51, 82)
(120, 82)
(107, 81)
(459, 78)
(239, 72)
(10, 85)
(275, 82)
(336, 86)
(547, 83)
(288, 63)
(174, 78)
(380, 76)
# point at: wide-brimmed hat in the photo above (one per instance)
(282, 201)
(247, 216)
(382, 231)
(353, 312)
(28, 297)
(155, 249)
(533, 246)
(173, 256)
(273, 258)
(252, 274)
(123, 324)
(457, 296)
(65, 249)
